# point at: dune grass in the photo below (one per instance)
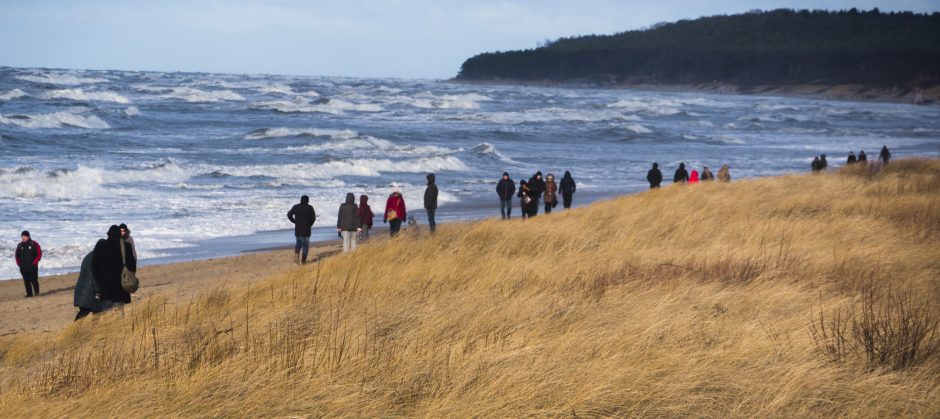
(701, 300)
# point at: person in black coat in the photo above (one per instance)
(681, 176)
(506, 189)
(303, 216)
(430, 201)
(654, 176)
(348, 223)
(851, 159)
(527, 203)
(27, 255)
(107, 266)
(567, 188)
(823, 164)
(885, 155)
(536, 189)
(862, 157)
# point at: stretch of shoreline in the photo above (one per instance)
(841, 92)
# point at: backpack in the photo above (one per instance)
(129, 280)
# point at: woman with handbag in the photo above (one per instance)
(551, 193)
(108, 265)
(526, 201)
(394, 212)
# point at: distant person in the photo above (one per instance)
(394, 212)
(348, 223)
(505, 189)
(851, 159)
(365, 217)
(862, 157)
(885, 155)
(430, 201)
(568, 188)
(27, 255)
(536, 189)
(654, 176)
(823, 164)
(724, 175)
(107, 265)
(706, 175)
(551, 193)
(816, 165)
(681, 176)
(303, 216)
(693, 177)
(126, 235)
(526, 202)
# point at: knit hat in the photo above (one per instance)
(24, 233)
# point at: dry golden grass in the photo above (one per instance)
(685, 301)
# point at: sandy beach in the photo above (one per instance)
(53, 309)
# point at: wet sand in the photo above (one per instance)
(52, 309)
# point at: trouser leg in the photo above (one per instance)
(548, 208)
(567, 200)
(347, 238)
(31, 282)
(431, 223)
(394, 226)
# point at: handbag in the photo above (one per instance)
(129, 280)
(392, 215)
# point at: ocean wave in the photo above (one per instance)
(55, 120)
(189, 94)
(352, 167)
(468, 101)
(132, 111)
(79, 94)
(639, 129)
(266, 133)
(61, 78)
(489, 151)
(549, 115)
(12, 94)
(84, 181)
(329, 106)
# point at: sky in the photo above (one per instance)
(354, 38)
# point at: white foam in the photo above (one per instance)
(354, 167)
(132, 111)
(551, 114)
(55, 120)
(331, 106)
(79, 94)
(294, 132)
(190, 94)
(61, 78)
(12, 94)
(639, 129)
(84, 181)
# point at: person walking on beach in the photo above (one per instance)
(303, 216)
(862, 157)
(681, 176)
(430, 201)
(506, 189)
(816, 165)
(27, 255)
(707, 175)
(693, 177)
(551, 191)
(885, 155)
(654, 176)
(394, 212)
(852, 159)
(568, 188)
(526, 202)
(724, 175)
(348, 223)
(536, 189)
(107, 264)
(126, 235)
(823, 164)
(365, 217)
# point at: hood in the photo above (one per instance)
(430, 178)
(538, 174)
(567, 175)
(304, 199)
(364, 200)
(506, 175)
(114, 233)
(523, 183)
(655, 165)
(350, 198)
(682, 165)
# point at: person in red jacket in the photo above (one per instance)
(365, 217)
(394, 212)
(28, 254)
(693, 178)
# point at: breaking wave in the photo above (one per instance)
(12, 94)
(79, 94)
(55, 120)
(61, 78)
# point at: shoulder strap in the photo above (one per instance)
(123, 258)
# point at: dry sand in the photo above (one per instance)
(53, 309)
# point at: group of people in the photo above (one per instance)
(353, 222)
(819, 162)
(531, 192)
(655, 176)
(99, 286)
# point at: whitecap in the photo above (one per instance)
(12, 94)
(296, 132)
(639, 129)
(132, 111)
(79, 94)
(55, 120)
(61, 78)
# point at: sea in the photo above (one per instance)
(207, 165)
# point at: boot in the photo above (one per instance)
(303, 261)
